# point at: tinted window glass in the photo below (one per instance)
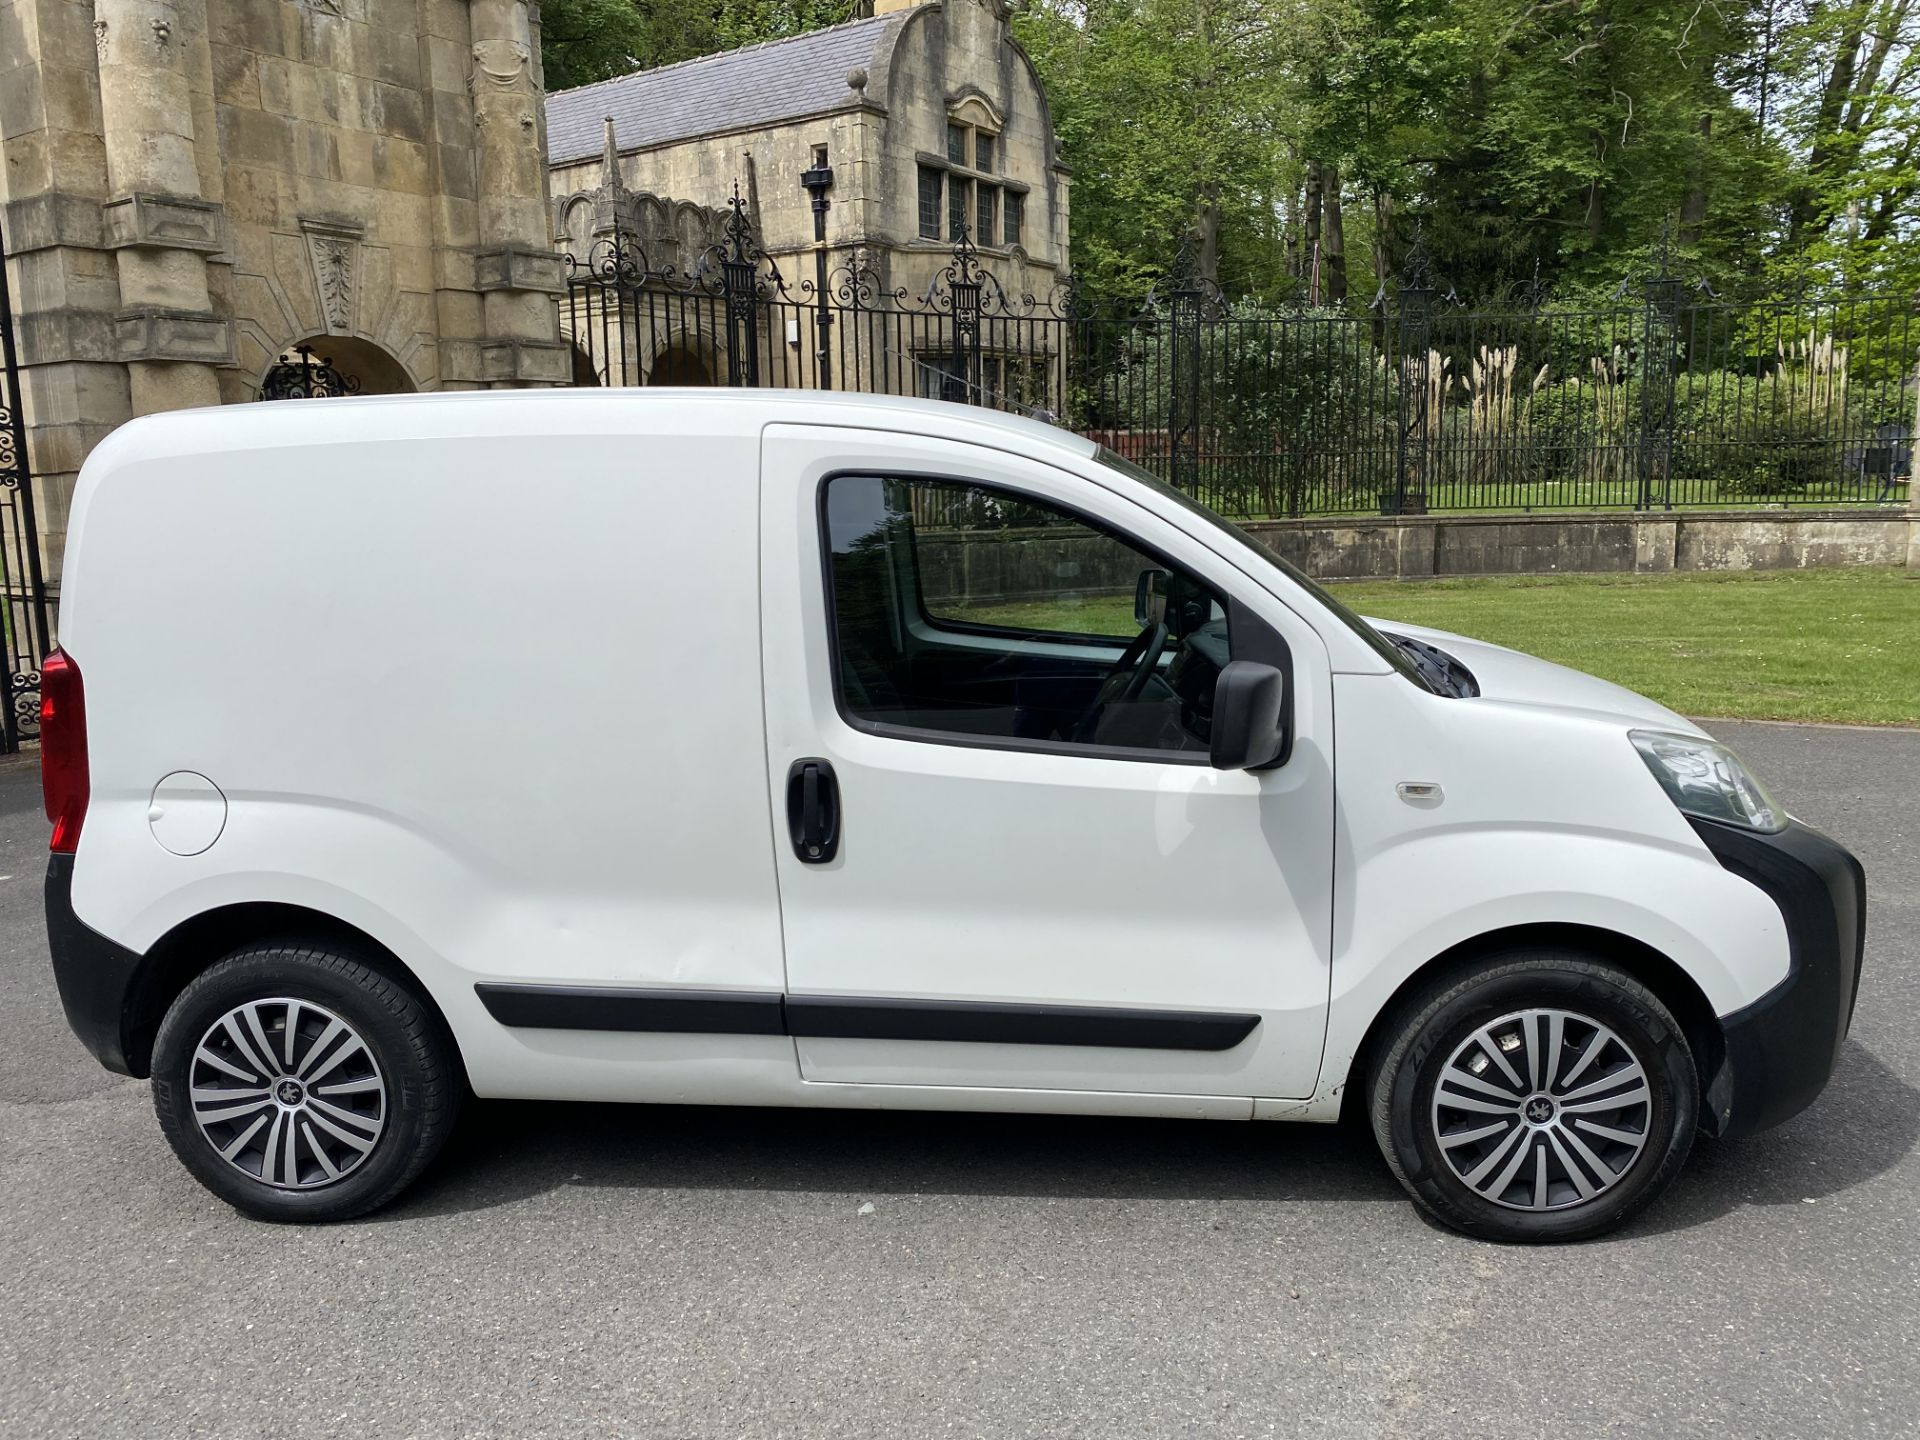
(968, 612)
(1379, 643)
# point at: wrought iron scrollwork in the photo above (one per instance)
(617, 259)
(855, 282)
(736, 266)
(307, 377)
(963, 286)
(1184, 288)
(26, 704)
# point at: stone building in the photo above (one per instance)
(918, 118)
(192, 190)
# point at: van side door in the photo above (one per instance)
(1004, 859)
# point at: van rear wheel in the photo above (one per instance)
(298, 1083)
(1542, 1096)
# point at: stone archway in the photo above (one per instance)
(679, 364)
(329, 365)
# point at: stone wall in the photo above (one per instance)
(1430, 545)
(192, 187)
(990, 567)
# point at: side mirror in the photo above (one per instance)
(1249, 709)
(1149, 598)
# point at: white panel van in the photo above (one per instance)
(772, 748)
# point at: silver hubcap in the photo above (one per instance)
(288, 1093)
(1541, 1110)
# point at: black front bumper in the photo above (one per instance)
(1780, 1050)
(96, 977)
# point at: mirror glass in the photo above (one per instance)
(1150, 598)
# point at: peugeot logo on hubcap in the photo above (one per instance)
(288, 1092)
(1539, 1110)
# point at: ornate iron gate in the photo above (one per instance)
(732, 318)
(1669, 397)
(23, 590)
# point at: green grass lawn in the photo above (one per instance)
(1839, 645)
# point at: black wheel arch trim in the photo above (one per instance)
(115, 997)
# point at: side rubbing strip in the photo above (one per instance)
(681, 1012)
(725, 1012)
(824, 1017)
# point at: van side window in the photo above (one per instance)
(971, 613)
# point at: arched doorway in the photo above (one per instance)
(679, 365)
(328, 365)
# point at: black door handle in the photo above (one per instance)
(813, 811)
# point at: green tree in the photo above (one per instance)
(587, 40)
(1843, 86)
(1164, 108)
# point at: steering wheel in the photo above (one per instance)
(1127, 676)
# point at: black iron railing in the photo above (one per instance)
(25, 608)
(1661, 395)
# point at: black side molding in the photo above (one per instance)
(835, 1017)
(724, 1012)
(675, 1012)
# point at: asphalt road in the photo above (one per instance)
(575, 1270)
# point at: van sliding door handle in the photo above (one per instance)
(813, 811)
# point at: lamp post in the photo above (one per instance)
(818, 180)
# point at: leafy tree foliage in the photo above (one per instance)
(1298, 145)
(1532, 142)
(587, 40)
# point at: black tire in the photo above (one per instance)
(414, 1060)
(1434, 1025)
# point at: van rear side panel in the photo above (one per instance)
(493, 697)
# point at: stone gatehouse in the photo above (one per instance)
(921, 118)
(192, 189)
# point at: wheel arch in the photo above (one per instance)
(195, 945)
(1674, 987)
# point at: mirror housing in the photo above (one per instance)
(1149, 598)
(1249, 716)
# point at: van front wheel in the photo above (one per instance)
(298, 1083)
(1542, 1096)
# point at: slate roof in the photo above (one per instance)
(758, 85)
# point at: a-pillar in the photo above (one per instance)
(515, 268)
(156, 217)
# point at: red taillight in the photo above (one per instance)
(63, 750)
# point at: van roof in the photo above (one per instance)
(509, 412)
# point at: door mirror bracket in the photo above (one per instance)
(1249, 716)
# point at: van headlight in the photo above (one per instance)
(1706, 779)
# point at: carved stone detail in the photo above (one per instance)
(333, 250)
(516, 267)
(153, 332)
(165, 222)
(499, 63)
